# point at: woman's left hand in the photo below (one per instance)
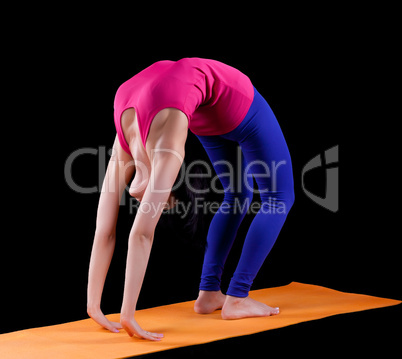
(100, 318)
(133, 328)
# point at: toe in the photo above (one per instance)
(275, 311)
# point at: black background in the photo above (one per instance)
(327, 85)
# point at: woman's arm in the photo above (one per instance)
(119, 172)
(168, 156)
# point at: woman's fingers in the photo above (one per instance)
(108, 325)
(105, 323)
(152, 336)
(132, 328)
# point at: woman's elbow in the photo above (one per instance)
(105, 235)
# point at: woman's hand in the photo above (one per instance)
(133, 328)
(100, 318)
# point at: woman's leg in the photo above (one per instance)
(268, 158)
(228, 163)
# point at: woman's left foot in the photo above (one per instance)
(209, 301)
(237, 308)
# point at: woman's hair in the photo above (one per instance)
(189, 192)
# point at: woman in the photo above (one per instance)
(153, 112)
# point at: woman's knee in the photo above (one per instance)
(243, 198)
(279, 201)
(291, 199)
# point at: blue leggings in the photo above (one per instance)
(264, 155)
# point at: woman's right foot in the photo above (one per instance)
(209, 301)
(237, 308)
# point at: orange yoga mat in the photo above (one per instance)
(182, 326)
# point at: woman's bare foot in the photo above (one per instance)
(209, 301)
(236, 308)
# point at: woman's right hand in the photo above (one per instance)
(133, 328)
(99, 317)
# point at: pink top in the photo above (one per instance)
(215, 97)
